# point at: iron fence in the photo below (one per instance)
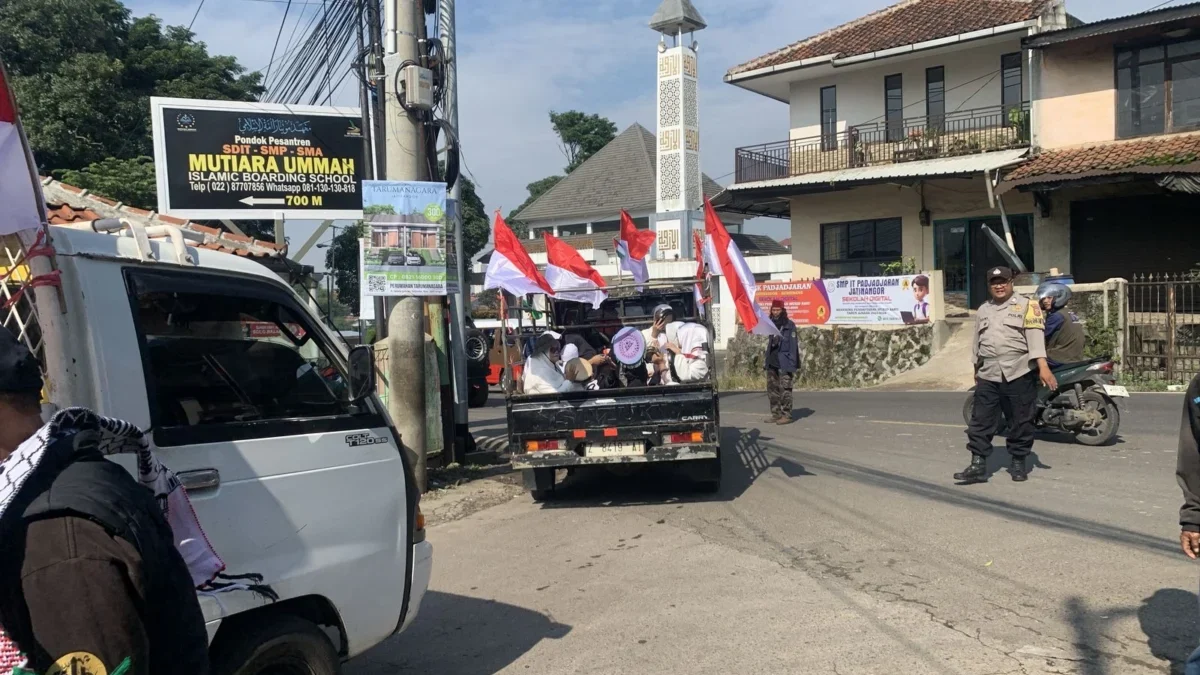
(962, 132)
(1163, 327)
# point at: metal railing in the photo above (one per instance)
(1163, 324)
(963, 132)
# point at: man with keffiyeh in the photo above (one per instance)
(91, 580)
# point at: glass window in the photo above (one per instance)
(893, 87)
(1188, 48)
(606, 226)
(935, 96)
(572, 230)
(859, 248)
(1142, 80)
(1012, 92)
(218, 359)
(1185, 93)
(829, 118)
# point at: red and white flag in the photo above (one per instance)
(722, 254)
(697, 289)
(571, 277)
(510, 267)
(632, 249)
(21, 206)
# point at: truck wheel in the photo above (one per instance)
(281, 645)
(476, 347)
(540, 483)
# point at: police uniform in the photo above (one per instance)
(1009, 337)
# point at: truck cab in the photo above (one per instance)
(248, 398)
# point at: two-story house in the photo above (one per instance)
(897, 121)
(1116, 167)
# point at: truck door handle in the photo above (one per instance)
(200, 479)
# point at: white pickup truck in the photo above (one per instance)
(292, 464)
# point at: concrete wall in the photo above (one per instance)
(946, 199)
(860, 93)
(1076, 101)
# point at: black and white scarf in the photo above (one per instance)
(75, 430)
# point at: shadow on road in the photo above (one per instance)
(1167, 618)
(1169, 621)
(949, 493)
(743, 460)
(460, 635)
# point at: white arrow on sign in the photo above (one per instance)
(254, 201)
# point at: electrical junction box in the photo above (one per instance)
(418, 87)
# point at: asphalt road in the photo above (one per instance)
(838, 544)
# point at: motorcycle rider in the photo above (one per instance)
(1064, 334)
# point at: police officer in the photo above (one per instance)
(1009, 350)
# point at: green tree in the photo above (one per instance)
(130, 181)
(476, 226)
(536, 189)
(83, 72)
(581, 135)
(341, 258)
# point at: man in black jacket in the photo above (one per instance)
(91, 581)
(1187, 472)
(781, 363)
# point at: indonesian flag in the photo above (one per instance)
(570, 276)
(511, 268)
(633, 247)
(21, 206)
(722, 254)
(697, 290)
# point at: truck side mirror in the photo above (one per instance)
(362, 372)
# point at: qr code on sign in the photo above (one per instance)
(376, 283)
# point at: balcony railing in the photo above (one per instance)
(964, 132)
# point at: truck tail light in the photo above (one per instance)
(579, 433)
(535, 446)
(687, 437)
(610, 432)
(419, 527)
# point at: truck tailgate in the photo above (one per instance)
(664, 424)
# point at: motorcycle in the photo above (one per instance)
(1084, 403)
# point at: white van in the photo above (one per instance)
(292, 464)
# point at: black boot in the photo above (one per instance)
(1019, 473)
(975, 473)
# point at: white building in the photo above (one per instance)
(895, 119)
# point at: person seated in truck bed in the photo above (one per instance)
(687, 344)
(542, 375)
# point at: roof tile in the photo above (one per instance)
(1109, 158)
(622, 175)
(904, 23)
(66, 204)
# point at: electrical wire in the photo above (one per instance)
(198, 8)
(278, 35)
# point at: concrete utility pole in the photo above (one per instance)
(458, 324)
(405, 150)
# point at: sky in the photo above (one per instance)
(521, 59)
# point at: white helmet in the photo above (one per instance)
(1060, 293)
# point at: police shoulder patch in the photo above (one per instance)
(78, 663)
(1034, 317)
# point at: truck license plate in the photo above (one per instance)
(1116, 390)
(614, 449)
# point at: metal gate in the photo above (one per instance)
(1163, 328)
